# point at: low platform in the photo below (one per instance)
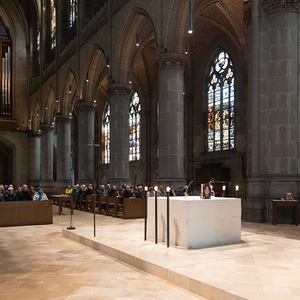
(264, 265)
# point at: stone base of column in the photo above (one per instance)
(62, 183)
(47, 184)
(34, 183)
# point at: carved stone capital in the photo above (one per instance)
(119, 89)
(63, 118)
(46, 127)
(86, 106)
(248, 12)
(34, 134)
(171, 61)
(278, 6)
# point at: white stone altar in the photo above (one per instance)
(194, 222)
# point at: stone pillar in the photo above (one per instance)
(86, 136)
(47, 155)
(119, 140)
(34, 158)
(171, 119)
(272, 157)
(63, 125)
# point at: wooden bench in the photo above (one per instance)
(134, 208)
(127, 208)
(18, 213)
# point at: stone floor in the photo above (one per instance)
(107, 258)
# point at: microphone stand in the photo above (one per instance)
(186, 191)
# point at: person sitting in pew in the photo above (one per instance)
(140, 193)
(75, 190)
(10, 195)
(24, 194)
(68, 190)
(113, 192)
(32, 191)
(127, 192)
(101, 190)
(89, 190)
(40, 195)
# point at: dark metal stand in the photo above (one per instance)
(71, 227)
(155, 217)
(145, 225)
(168, 219)
(94, 210)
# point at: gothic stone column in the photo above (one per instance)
(171, 119)
(119, 141)
(86, 135)
(273, 160)
(63, 124)
(34, 158)
(47, 155)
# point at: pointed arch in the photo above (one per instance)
(139, 22)
(96, 73)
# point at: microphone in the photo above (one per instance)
(186, 190)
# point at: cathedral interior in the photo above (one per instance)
(152, 93)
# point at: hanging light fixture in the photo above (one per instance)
(190, 17)
(137, 40)
(87, 77)
(107, 61)
(70, 89)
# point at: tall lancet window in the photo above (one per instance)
(220, 117)
(106, 136)
(38, 45)
(72, 12)
(5, 96)
(135, 128)
(53, 23)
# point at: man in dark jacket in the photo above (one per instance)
(24, 194)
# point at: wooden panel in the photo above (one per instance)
(8, 124)
(17, 213)
(133, 208)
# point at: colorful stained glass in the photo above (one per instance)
(53, 23)
(106, 136)
(135, 128)
(72, 12)
(220, 108)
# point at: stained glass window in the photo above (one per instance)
(135, 128)
(38, 45)
(73, 12)
(106, 135)
(53, 24)
(220, 118)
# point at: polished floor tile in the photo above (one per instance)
(108, 258)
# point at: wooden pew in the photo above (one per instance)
(127, 208)
(18, 213)
(133, 208)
